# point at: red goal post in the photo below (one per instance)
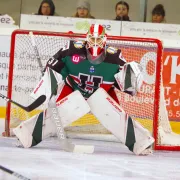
(146, 108)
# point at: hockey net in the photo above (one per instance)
(148, 107)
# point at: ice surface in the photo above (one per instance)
(111, 161)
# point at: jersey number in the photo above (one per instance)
(52, 61)
(89, 83)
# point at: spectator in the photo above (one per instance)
(83, 10)
(122, 10)
(46, 8)
(158, 14)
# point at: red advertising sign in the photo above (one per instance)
(171, 79)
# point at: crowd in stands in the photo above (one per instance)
(83, 10)
(47, 8)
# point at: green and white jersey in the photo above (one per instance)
(79, 73)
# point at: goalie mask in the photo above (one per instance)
(96, 40)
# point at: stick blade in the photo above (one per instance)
(40, 100)
(83, 149)
(86, 149)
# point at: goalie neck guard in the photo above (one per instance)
(96, 40)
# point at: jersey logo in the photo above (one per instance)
(79, 44)
(89, 83)
(91, 69)
(112, 50)
(76, 58)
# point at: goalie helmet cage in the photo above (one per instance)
(149, 107)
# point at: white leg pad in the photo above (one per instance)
(114, 118)
(24, 136)
(25, 130)
(108, 113)
(72, 107)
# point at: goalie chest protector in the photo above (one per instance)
(81, 74)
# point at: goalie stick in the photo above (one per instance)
(17, 175)
(36, 52)
(29, 108)
(66, 145)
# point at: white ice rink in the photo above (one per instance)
(111, 161)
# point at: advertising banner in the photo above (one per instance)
(171, 77)
(66, 24)
(159, 30)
